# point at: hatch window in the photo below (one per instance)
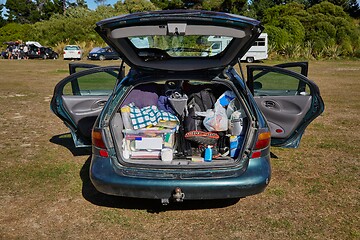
(183, 46)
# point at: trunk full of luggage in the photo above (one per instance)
(181, 123)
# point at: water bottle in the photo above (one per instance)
(125, 114)
(208, 154)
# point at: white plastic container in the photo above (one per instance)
(236, 123)
(167, 154)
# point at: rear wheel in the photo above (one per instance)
(101, 57)
(250, 59)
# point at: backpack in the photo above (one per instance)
(198, 102)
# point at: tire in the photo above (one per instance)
(101, 57)
(250, 59)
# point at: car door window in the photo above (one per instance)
(95, 84)
(277, 84)
(298, 67)
(77, 67)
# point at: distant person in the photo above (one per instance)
(26, 50)
(15, 53)
(10, 49)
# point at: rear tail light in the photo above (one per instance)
(263, 141)
(98, 142)
(79, 52)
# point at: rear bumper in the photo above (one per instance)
(253, 181)
(72, 56)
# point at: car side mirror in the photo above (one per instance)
(257, 85)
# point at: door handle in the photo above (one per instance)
(98, 105)
(101, 103)
(269, 104)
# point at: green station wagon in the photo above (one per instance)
(183, 123)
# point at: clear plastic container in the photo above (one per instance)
(149, 138)
(125, 114)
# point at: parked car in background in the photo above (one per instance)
(182, 124)
(31, 50)
(41, 52)
(106, 53)
(72, 52)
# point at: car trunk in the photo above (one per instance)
(181, 123)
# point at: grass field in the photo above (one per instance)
(46, 193)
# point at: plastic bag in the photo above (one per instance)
(226, 98)
(215, 119)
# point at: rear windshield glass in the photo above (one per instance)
(71, 48)
(184, 46)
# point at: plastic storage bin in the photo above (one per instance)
(148, 142)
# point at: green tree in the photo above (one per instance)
(322, 27)
(76, 3)
(21, 11)
(213, 5)
(273, 15)
(47, 8)
(278, 37)
(328, 9)
(2, 20)
(233, 6)
(350, 6)
(353, 9)
(257, 8)
(131, 6)
(27, 11)
(100, 2)
(165, 4)
(14, 32)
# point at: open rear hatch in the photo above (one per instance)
(168, 39)
(159, 122)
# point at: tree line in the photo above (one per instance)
(309, 29)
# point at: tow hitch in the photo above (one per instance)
(177, 196)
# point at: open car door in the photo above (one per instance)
(79, 98)
(77, 67)
(298, 67)
(288, 99)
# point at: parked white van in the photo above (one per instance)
(258, 50)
